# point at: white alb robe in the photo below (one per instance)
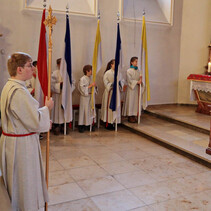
(106, 112)
(20, 157)
(85, 116)
(57, 114)
(130, 107)
(30, 84)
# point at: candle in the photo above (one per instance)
(209, 67)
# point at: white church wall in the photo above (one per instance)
(21, 33)
(195, 38)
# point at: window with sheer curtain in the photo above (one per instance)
(156, 11)
(80, 7)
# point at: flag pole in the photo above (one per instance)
(49, 21)
(65, 124)
(95, 69)
(139, 103)
(118, 20)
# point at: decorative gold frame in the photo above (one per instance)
(121, 2)
(25, 7)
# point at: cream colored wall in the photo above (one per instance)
(21, 33)
(195, 38)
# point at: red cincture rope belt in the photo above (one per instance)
(17, 135)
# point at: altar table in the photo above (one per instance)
(200, 89)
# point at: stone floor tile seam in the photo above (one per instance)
(75, 200)
(86, 197)
(108, 174)
(139, 207)
(79, 167)
(113, 175)
(129, 189)
(162, 200)
(77, 182)
(101, 194)
(65, 183)
(119, 191)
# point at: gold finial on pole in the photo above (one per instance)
(49, 22)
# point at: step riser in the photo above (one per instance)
(168, 146)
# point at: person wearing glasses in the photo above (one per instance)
(22, 121)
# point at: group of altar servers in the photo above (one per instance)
(23, 120)
(85, 84)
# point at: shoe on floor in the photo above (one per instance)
(81, 128)
(56, 131)
(132, 119)
(110, 127)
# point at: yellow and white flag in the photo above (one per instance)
(144, 65)
(96, 62)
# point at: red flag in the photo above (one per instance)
(42, 79)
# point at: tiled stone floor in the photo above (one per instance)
(186, 139)
(117, 171)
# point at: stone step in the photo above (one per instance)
(186, 141)
(179, 122)
(182, 115)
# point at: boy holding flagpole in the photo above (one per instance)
(84, 87)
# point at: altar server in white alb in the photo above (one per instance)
(20, 154)
(134, 80)
(84, 87)
(57, 113)
(106, 112)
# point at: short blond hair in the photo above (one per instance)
(16, 60)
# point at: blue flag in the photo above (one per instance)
(66, 73)
(68, 49)
(113, 103)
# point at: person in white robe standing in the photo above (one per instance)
(84, 87)
(106, 112)
(134, 80)
(57, 114)
(30, 84)
(20, 154)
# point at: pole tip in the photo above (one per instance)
(44, 4)
(98, 15)
(67, 8)
(118, 16)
